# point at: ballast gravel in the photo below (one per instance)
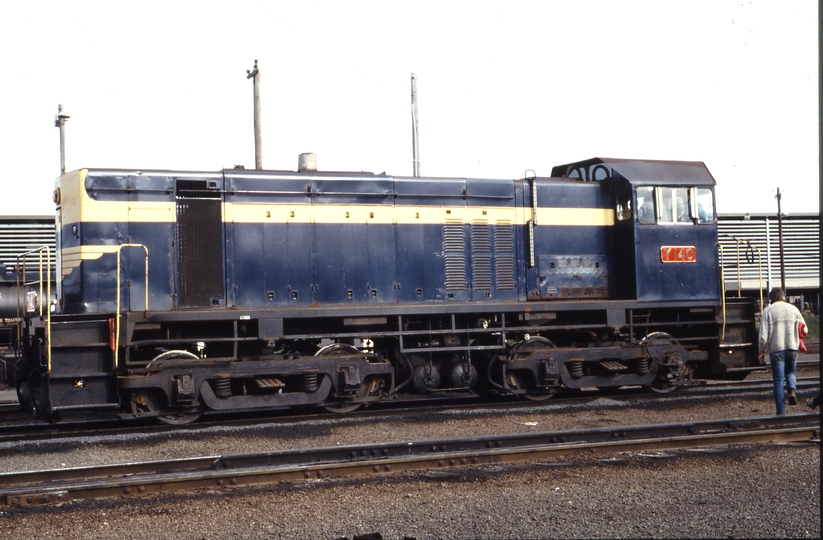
(736, 491)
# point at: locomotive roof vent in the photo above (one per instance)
(307, 163)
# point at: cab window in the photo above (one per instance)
(623, 209)
(674, 205)
(645, 204)
(705, 205)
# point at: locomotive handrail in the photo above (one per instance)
(22, 275)
(364, 194)
(39, 251)
(532, 221)
(750, 247)
(361, 194)
(117, 314)
(722, 293)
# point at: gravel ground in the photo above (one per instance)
(753, 491)
(745, 491)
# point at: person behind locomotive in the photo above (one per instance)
(780, 338)
(682, 216)
(646, 211)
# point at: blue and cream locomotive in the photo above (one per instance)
(184, 292)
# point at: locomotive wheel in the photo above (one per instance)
(342, 349)
(662, 387)
(144, 401)
(679, 377)
(657, 344)
(338, 349)
(534, 344)
(151, 401)
(672, 370)
(540, 397)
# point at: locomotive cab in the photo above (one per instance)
(665, 228)
(674, 228)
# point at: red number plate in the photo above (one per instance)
(678, 254)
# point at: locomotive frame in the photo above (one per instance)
(180, 292)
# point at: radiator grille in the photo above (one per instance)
(504, 255)
(481, 256)
(454, 254)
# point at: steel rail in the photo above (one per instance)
(9, 407)
(14, 406)
(110, 425)
(742, 386)
(20, 488)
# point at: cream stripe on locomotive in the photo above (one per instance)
(406, 215)
(89, 210)
(76, 206)
(73, 256)
(164, 212)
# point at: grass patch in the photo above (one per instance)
(813, 325)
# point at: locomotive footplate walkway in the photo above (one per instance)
(61, 485)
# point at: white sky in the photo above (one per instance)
(503, 87)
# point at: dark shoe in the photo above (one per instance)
(792, 397)
(811, 404)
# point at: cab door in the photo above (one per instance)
(626, 245)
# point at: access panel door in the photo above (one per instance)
(199, 245)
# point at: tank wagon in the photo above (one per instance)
(16, 287)
(184, 292)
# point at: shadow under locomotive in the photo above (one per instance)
(180, 292)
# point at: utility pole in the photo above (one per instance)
(254, 74)
(60, 123)
(780, 241)
(415, 144)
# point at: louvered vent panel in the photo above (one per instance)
(19, 235)
(504, 255)
(801, 248)
(454, 253)
(481, 256)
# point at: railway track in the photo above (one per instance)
(217, 471)
(109, 425)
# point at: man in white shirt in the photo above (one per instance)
(780, 338)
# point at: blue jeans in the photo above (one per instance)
(784, 364)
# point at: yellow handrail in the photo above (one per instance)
(748, 244)
(739, 276)
(117, 315)
(722, 294)
(39, 251)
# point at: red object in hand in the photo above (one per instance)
(802, 332)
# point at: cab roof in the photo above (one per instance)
(638, 171)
